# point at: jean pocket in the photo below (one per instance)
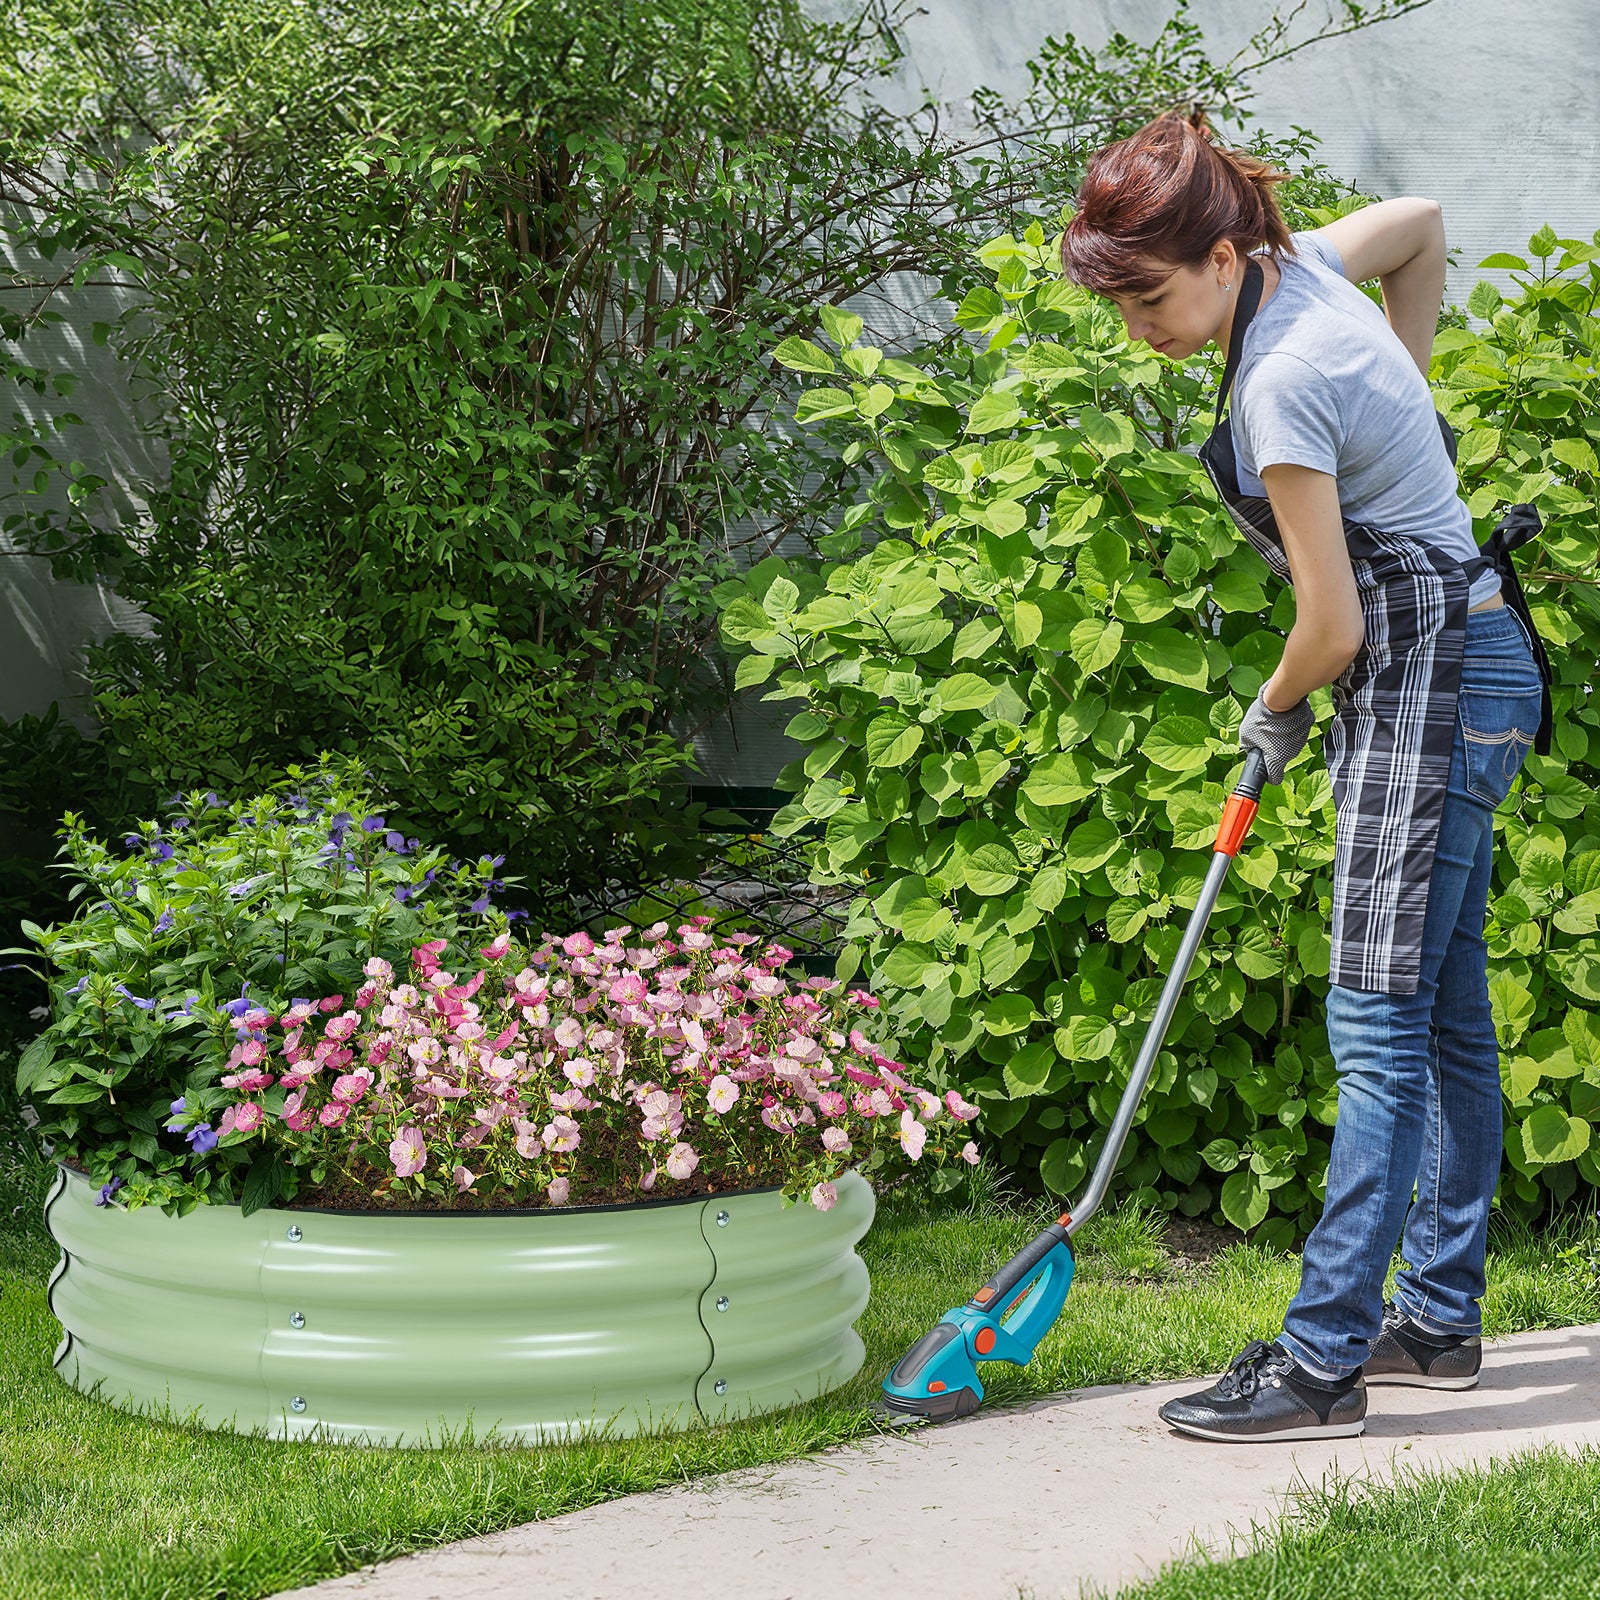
(1497, 730)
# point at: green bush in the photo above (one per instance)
(1021, 706)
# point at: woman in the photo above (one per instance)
(1338, 470)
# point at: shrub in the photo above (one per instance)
(1021, 706)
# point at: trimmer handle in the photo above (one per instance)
(1240, 811)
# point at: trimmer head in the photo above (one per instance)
(936, 1380)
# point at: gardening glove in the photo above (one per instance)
(1279, 735)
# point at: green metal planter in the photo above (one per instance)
(390, 1327)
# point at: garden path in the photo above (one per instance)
(1088, 1485)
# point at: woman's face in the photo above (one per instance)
(1186, 310)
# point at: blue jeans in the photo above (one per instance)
(1419, 1074)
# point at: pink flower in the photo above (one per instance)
(657, 1103)
(681, 1161)
(333, 1114)
(464, 1179)
(558, 1191)
(824, 1197)
(629, 990)
(862, 998)
(350, 1086)
(722, 1093)
(832, 1104)
(863, 1104)
(408, 1153)
(252, 1053)
(969, 1153)
(928, 1105)
(562, 1134)
(343, 1026)
(249, 1082)
(334, 1002)
(496, 947)
(578, 944)
(836, 1141)
(959, 1108)
(580, 1071)
(648, 1181)
(300, 1120)
(227, 1122)
(569, 1033)
(912, 1135)
(529, 1144)
(379, 969)
(426, 956)
(248, 1117)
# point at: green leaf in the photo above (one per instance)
(1512, 1008)
(1111, 434)
(1179, 744)
(906, 965)
(976, 638)
(1550, 1135)
(753, 670)
(1544, 242)
(1092, 844)
(1237, 591)
(818, 404)
(265, 1183)
(1244, 1201)
(892, 739)
(1049, 886)
(1484, 301)
(1124, 920)
(1028, 1071)
(1172, 657)
(800, 355)
(1221, 1155)
(33, 1069)
(1061, 779)
(1063, 1165)
(1095, 644)
(991, 868)
(994, 413)
(966, 691)
(843, 327)
(1007, 1013)
(1504, 263)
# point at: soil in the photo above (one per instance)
(1193, 1241)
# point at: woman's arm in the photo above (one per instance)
(1401, 244)
(1329, 628)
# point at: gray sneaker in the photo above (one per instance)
(1265, 1396)
(1405, 1353)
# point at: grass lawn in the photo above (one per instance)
(1527, 1529)
(96, 1503)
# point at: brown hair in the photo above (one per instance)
(1164, 197)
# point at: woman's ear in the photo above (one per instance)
(1224, 261)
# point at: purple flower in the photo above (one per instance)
(163, 922)
(402, 894)
(480, 904)
(128, 994)
(184, 1010)
(211, 798)
(297, 800)
(428, 877)
(107, 1190)
(202, 1139)
(80, 985)
(397, 843)
(373, 824)
(178, 1106)
(237, 1008)
(162, 851)
(132, 841)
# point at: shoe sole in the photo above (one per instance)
(1421, 1380)
(1336, 1430)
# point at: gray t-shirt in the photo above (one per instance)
(1324, 382)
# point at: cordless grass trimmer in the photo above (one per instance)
(937, 1378)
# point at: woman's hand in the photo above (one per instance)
(1400, 243)
(1329, 629)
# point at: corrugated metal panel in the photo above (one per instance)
(395, 1327)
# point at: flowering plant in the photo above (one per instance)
(577, 1072)
(218, 912)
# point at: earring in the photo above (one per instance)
(1227, 288)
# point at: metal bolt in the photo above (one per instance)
(722, 1302)
(722, 1219)
(298, 1403)
(721, 1385)
(297, 1319)
(294, 1235)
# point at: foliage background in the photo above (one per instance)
(1022, 704)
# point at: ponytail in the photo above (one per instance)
(1165, 197)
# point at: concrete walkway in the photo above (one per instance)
(1086, 1486)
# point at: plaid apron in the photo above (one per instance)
(1388, 746)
